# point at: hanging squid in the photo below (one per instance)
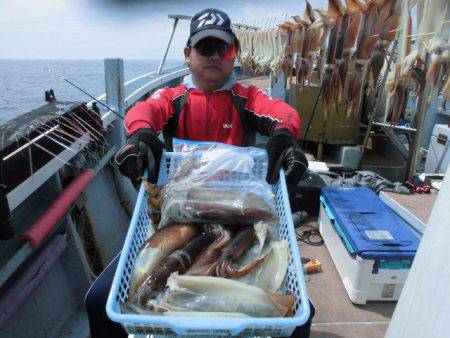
(340, 74)
(385, 28)
(436, 50)
(436, 14)
(299, 37)
(276, 37)
(305, 63)
(335, 11)
(288, 62)
(326, 28)
(354, 11)
(324, 24)
(362, 58)
(403, 66)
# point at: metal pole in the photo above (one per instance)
(421, 109)
(175, 23)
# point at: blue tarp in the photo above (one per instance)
(369, 228)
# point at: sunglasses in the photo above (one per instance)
(208, 47)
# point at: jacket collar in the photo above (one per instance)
(189, 82)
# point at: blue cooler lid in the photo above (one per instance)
(372, 228)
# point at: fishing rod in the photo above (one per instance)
(312, 115)
(83, 91)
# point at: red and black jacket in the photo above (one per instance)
(228, 115)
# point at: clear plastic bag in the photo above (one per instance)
(217, 183)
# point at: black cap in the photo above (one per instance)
(211, 23)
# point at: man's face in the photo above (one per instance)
(210, 62)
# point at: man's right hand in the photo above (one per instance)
(142, 151)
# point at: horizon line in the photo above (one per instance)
(85, 59)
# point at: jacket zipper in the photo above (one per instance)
(207, 116)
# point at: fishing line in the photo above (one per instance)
(312, 116)
(83, 91)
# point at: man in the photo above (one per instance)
(208, 106)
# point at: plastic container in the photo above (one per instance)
(370, 269)
(140, 229)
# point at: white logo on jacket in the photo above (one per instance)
(216, 19)
(157, 94)
(227, 125)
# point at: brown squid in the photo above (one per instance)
(362, 55)
(234, 250)
(298, 45)
(310, 44)
(340, 72)
(324, 24)
(206, 263)
(179, 261)
(335, 12)
(351, 32)
(387, 22)
(402, 73)
(160, 245)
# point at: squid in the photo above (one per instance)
(402, 73)
(412, 71)
(271, 273)
(179, 261)
(387, 23)
(305, 63)
(157, 248)
(212, 294)
(335, 11)
(288, 63)
(298, 44)
(276, 37)
(351, 32)
(340, 73)
(326, 28)
(436, 50)
(233, 251)
(362, 57)
(206, 263)
(433, 34)
(431, 14)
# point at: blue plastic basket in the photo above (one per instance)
(140, 230)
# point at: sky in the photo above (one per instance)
(132, 29)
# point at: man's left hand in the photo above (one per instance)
(284, 151)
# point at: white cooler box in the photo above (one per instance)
(439, 150)
(371, 247)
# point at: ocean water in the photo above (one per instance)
(23, 82)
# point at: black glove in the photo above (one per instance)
(284, 151)
(142, 150)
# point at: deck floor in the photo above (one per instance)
(336, 316)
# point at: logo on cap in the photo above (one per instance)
(214, 19)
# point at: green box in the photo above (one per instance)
(336, 129)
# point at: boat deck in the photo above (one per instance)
(336, 316)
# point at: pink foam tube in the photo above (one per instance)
(43, 226)
(18, 290)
